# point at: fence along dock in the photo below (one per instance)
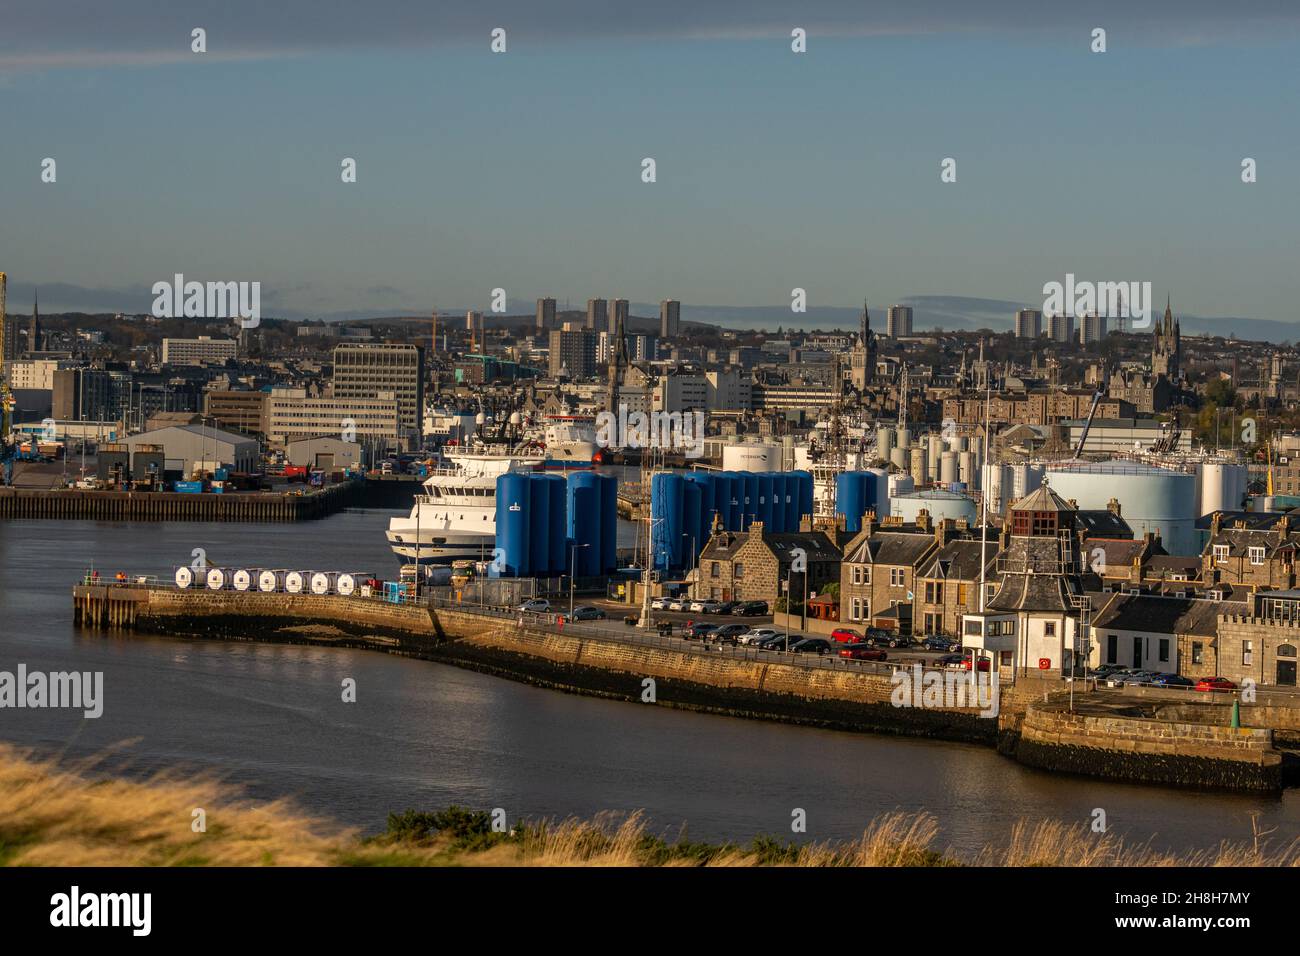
(75, 504)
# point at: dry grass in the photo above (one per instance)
(52, 815)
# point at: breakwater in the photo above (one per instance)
(77, 504)
(1179, 744)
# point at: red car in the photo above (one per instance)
(862, 652)
(1215, 684)
(846, 635)
(984, 663)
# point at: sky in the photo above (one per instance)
(775, 170)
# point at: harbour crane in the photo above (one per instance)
(1087, 425)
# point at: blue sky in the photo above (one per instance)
(775, 170)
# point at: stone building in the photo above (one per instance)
(755, 565)
(1247, 554)
(948, 586)
(1166, 634)
(879, 573)
(1259, 641)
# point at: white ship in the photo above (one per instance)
(570, 442)
(456, 516)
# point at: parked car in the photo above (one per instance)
(1138, 677)
(678, 604)
(775, 643)
(878, 636)
(863, 652)
(659, 604)
(1102, 671)
(706, 606)
(1173, 680)
(1215, 684)
(757, 634)
(1116, 678)
(699, 631)
(952, 660)
(588, 612)
(537, 606)
(846, 635)
(750, 609)
(811, 645)
(937, 643)
(729, 632)
(983, 663)
(726, 607)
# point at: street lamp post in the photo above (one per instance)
(573, 570)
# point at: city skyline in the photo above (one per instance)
(775, 170)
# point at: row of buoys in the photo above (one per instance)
(343, 583)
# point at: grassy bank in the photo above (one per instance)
(55, 814)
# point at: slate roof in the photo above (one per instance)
(1032, 592)
(1164, 615)
(959, 560)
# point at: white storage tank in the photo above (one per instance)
(1151, 499)
(184, 577)
(899, 484)
(243, 578)
(993, 485)
(884, 442)
(295, 582)
(751, 456)
(898, 457)
(1222, 487)
(350, 582)
(270, 581)
(904, 438)
(967, 468)
(918, 465)
(1025, 479)
(948, 468)
(320, 582)
(940, 504)
(218, 578)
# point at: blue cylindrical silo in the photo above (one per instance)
(751, 498)
(512, 524)
(666, 520)
(559, 525)
(539, 525)
(779, 523)
(850, 499)
(765, 513)
(608, 524)
(704, 481)
(804, 501)
(583, 523)
(691, 542)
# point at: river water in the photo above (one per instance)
(425, 735)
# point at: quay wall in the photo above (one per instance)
(1170, 751)
(1166, 743)
(78, 504)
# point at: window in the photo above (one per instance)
(1198, 652)
(1247, 652)
(933, 592)
(1112, 648)
(866, 574)
(1049, 629)
(1164, 650)
(896, 578)
(738, 570)
(1256, 554)
(961, 594)
(1220, 552)
(716, 571)
(934, 624)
